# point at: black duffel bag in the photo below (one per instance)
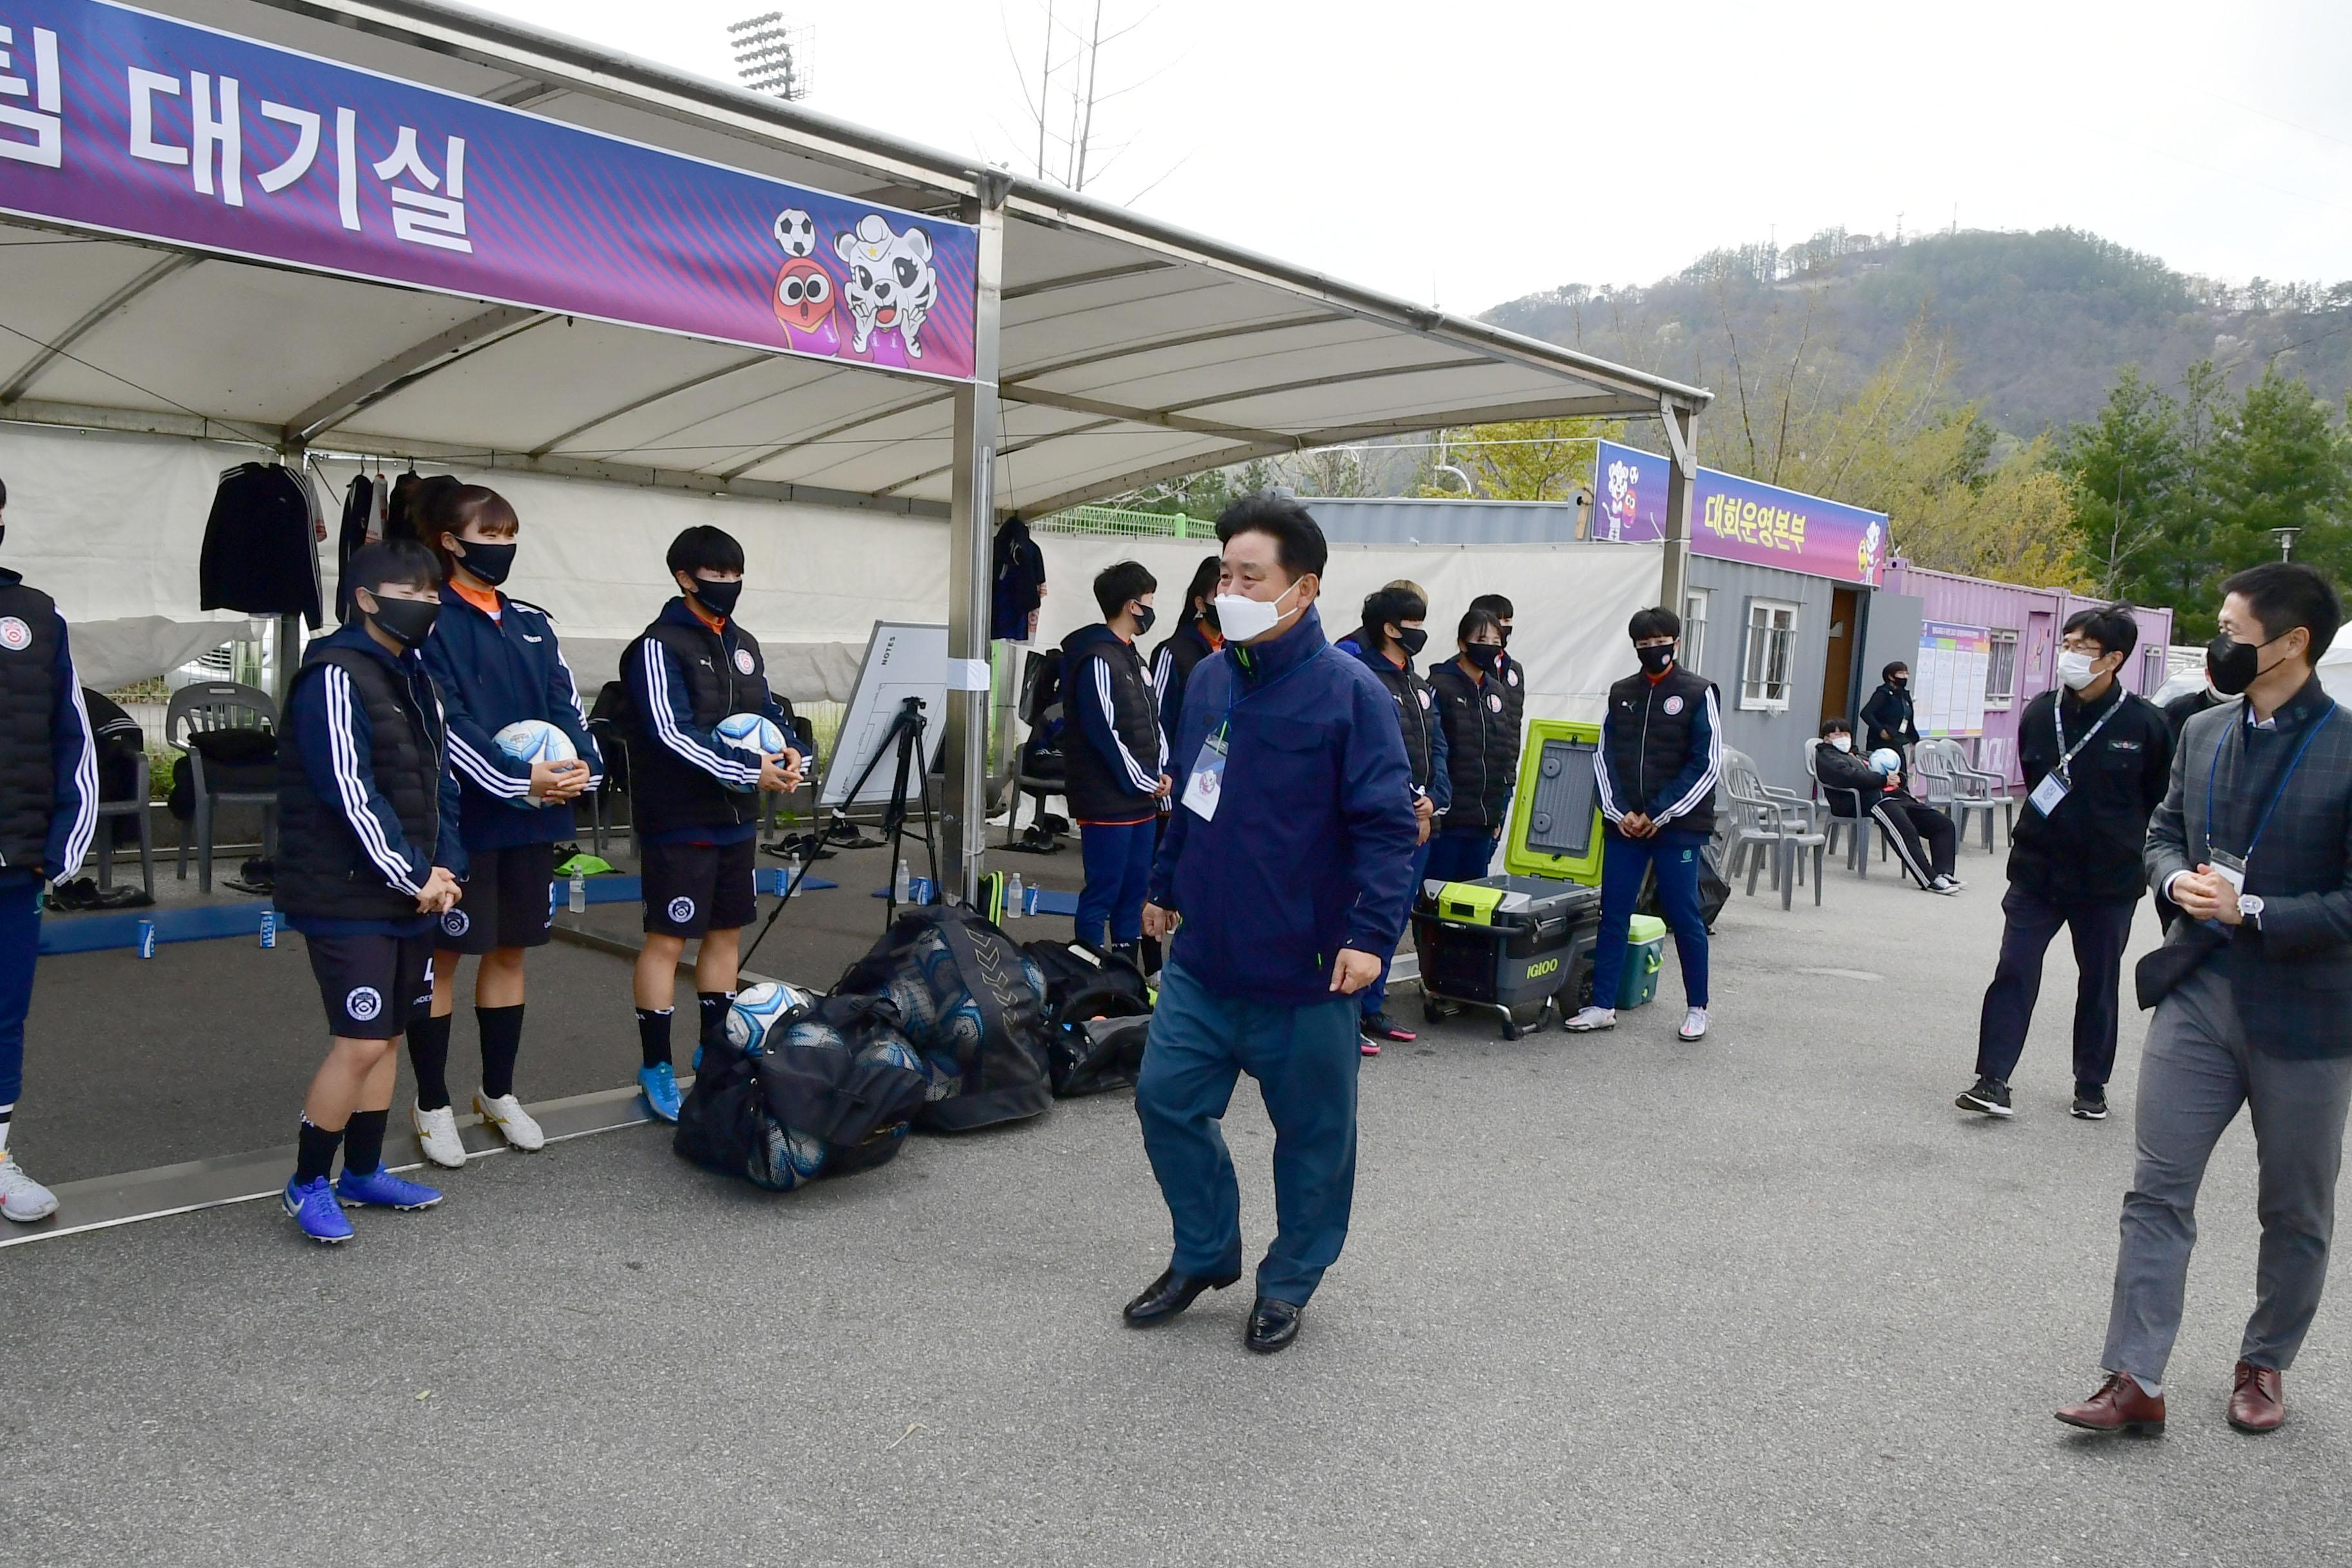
(1087, 990)
(972, 1004)
(832, 1092)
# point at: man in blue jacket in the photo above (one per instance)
(48, 811)
(1288, 864)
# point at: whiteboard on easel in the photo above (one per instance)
(902, 660)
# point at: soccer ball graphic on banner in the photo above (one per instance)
(536, 740)
(756, 1011)
(1887, 760)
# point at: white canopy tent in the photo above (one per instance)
(1110, 349)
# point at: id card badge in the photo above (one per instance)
(1201, 791)
(2230, 867)
(2048, 793)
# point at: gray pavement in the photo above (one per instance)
(1767, 1300)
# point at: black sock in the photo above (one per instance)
(314, 1152)
(428, 1053)
(653, 1035)
(714, 1004)
(501, 1038)
(363, 1142)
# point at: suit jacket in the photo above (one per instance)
(2291, 972)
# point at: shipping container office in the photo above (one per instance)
(2024, 626)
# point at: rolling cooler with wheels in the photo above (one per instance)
(1513, 946)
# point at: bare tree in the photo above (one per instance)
(1064, 133)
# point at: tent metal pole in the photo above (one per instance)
(972, 520)
(1682, 438)
(287, 647)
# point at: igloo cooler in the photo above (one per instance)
(1514, 946)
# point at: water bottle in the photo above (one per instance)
(1013, 895)
(792, 872)
(146, 938)
(900, 888)
(579, 900)
(270, 928)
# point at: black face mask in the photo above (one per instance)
(1506, 636)
(1412, 639)
(2233, 666)
(1209, 619)
(407, 622)
(718, 598)
(1899, 681)
(1655, 659)
(491, 562)
(1143, 619)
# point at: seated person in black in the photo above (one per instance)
(1924, 836)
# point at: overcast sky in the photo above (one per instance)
(1476, 150)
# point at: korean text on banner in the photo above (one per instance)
(1948, 678)
(115, 120)
(1735, 519)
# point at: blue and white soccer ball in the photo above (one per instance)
(890, 1050)
(1887, 760)
(536, 740)
(753, 733)
(785, 1160)
(757, 1010)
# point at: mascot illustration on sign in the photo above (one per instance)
(891, 285)
(1624, 476)
(806, 291)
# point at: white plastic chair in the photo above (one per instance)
(1976, 789)
(1765, 820)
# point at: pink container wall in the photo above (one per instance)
(2038, 616)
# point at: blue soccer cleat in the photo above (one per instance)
(312, 1206)
(659, 1086)
(382, 1190)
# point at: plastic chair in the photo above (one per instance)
(1980, 789)
(1931, 765)
(1857, 849)
(207, 707)
(136, 809)
(1764, 819)
(1040, 715)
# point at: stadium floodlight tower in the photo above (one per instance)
(771, 56)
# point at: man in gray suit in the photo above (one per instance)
(2253, 993)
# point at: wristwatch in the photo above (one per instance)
(2250, 905)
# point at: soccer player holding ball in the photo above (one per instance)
(520, 746)
(697, 791)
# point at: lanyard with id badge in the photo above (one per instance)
(1206, 784)
(2059, 780)
(2232, 869)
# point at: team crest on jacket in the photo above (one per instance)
(1674, 705)
(1425, 697)
(15, 635)
(1494, 702)
(1512, 677)
(681, 911)
(743, 659)
(364, 1004)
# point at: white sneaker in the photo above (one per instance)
(1944, 885)
(22, 1198)
(438, 1130)
(1592, 1018)
(514, 1123)
(1694, 1025)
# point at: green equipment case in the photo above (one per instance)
(1556, 813)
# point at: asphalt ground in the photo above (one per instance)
(1769, 1300)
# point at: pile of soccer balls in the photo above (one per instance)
(773, 1014)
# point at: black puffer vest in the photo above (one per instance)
(1416, 706)
(1513, 679)
(724, 674)
(1180, 653)
(1097, 788)
(1649, 741)
(1482, 747)
(28, 697)
(323, 870)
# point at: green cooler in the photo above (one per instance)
(1511, 945)
(1645, 954)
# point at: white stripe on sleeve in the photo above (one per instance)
(344, 753)
(1135, 774)
(85, 823)
(667, 730)
(1704, 788)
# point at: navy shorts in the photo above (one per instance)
(370, 983)
(691, 889)
(506, 902)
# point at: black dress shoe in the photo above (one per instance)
(1272, 1325)
(1169, 1295)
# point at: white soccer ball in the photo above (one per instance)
(757, 1009)
(1886, 759)
(536, 740)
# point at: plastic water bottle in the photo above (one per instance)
(578, 903)
(1013, 893)
(270, 928)
(899, 888)
(791, 873)
(146, 938)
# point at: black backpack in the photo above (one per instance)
(972, 1004)
(1088, 991)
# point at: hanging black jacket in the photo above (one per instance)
(1118, 755)
(1887, 720)
(1660, 751)
(259, 554)
(2094, 845)
(1019, 572)
(1171, 667)
(1482, 746)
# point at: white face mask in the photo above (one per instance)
(1244, 619)
(1842, 742)
(2075, 669)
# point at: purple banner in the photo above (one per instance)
(116, 120)
(1735, 519)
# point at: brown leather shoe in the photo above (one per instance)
(2257, 1399)
(2119, 1405)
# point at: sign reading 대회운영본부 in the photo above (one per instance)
(1734, 519)
(1948, 678)
(118, 119)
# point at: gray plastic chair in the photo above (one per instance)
(1978, 790)
(204, 707)
(1931, 767)
(1764, 820)
(1855, 828)
(136, 809)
